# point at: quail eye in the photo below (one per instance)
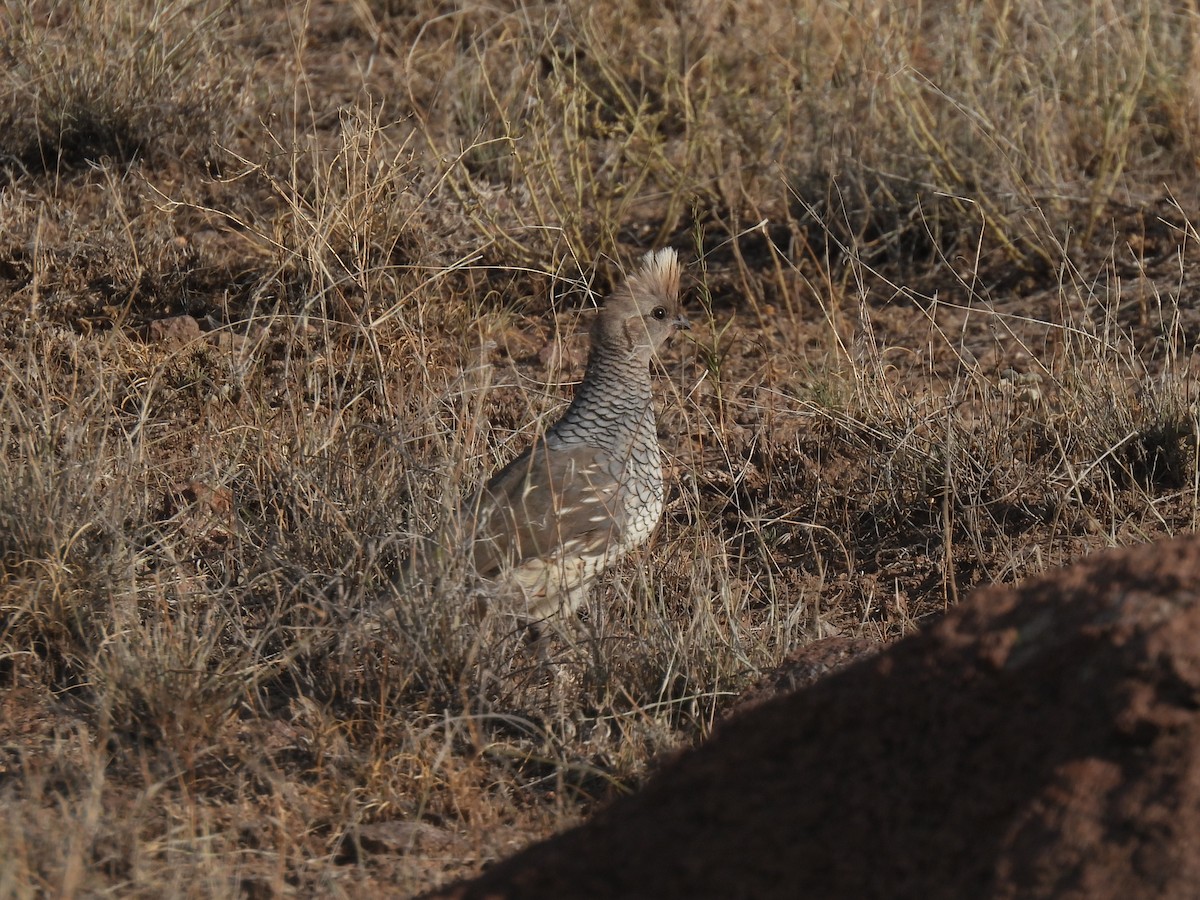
(659, 312)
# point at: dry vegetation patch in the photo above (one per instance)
(279, 286)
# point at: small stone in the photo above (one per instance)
(173, 330)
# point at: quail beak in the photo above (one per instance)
(681, 324)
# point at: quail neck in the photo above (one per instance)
(613, 405)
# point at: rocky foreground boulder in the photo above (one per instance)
(1039, 741)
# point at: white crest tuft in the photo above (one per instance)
(658, 276)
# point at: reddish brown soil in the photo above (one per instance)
(802, 667)
(1042, 741)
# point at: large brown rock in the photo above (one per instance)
(1042, 741)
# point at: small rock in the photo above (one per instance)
(402, 837)
(173, 330)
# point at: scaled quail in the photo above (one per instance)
(591, 488)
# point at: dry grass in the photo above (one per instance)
(941, 261)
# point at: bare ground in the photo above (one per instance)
(1037, 742)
